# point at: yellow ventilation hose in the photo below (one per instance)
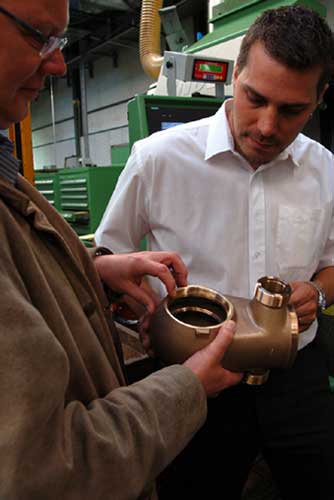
(149, 40)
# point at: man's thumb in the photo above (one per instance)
(223, 339)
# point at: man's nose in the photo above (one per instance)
(268, 121)
(54, 64)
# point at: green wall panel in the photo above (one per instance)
(233, 18)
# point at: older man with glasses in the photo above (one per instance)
(28, 55)
(48, 43)
(69, 428)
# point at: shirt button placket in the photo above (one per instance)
(257, 231)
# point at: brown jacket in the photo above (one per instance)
(69, 429)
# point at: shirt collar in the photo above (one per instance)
(290, 153)
(220, 139)
(6, 143)
(9, 165)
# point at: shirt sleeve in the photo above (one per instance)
(326, 166)
(126, 218)
(327, 256)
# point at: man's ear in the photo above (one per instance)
(322, 93)
(235, 73)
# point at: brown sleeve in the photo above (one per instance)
(111, 448)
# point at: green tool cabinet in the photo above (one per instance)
(80, 194)
(47, 183)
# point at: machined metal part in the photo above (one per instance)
(266, 334)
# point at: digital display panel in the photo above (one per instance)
(164, 116)
(213, 68)
(210, 71)
(166, 125)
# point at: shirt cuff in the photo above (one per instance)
(111, 295)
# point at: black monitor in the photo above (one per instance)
(148, 114)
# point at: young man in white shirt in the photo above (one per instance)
(241, 195)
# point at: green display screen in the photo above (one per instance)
(214, 68)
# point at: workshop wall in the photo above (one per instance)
(107, 94)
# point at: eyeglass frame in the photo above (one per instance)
(49, 43)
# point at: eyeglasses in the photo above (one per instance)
(48, 43)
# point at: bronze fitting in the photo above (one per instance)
(266, 327)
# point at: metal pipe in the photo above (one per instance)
(149, 37)
(84, 116)
(53, 117)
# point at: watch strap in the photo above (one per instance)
(98, 251)
(322, 303)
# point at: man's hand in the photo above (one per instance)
(206, 363)
(124, 273)
(304, 298)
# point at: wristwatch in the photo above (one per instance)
(102, 251)
(322, 303)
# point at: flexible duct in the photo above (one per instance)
(149, 41)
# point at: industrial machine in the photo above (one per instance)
(47, 183)
(80, 194)
(150, 113)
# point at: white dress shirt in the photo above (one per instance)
(189, 191)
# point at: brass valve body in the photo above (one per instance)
(266, 333)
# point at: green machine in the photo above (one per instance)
(232, 18)
(80, 194)
(47, 183)
(151, 113)
(84, 193)
(119, 155)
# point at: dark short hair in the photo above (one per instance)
(296, 36)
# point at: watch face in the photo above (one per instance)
(321, 301)
(322, 304)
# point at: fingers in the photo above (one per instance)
(178, 270)
(220, 344)
(165, 275)
(161, 271)
(304, 300)
(305, 320)
(302, 293)
(125, 272)
(174, 264)
(308, 310)
(207, 363)
(141, 295)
